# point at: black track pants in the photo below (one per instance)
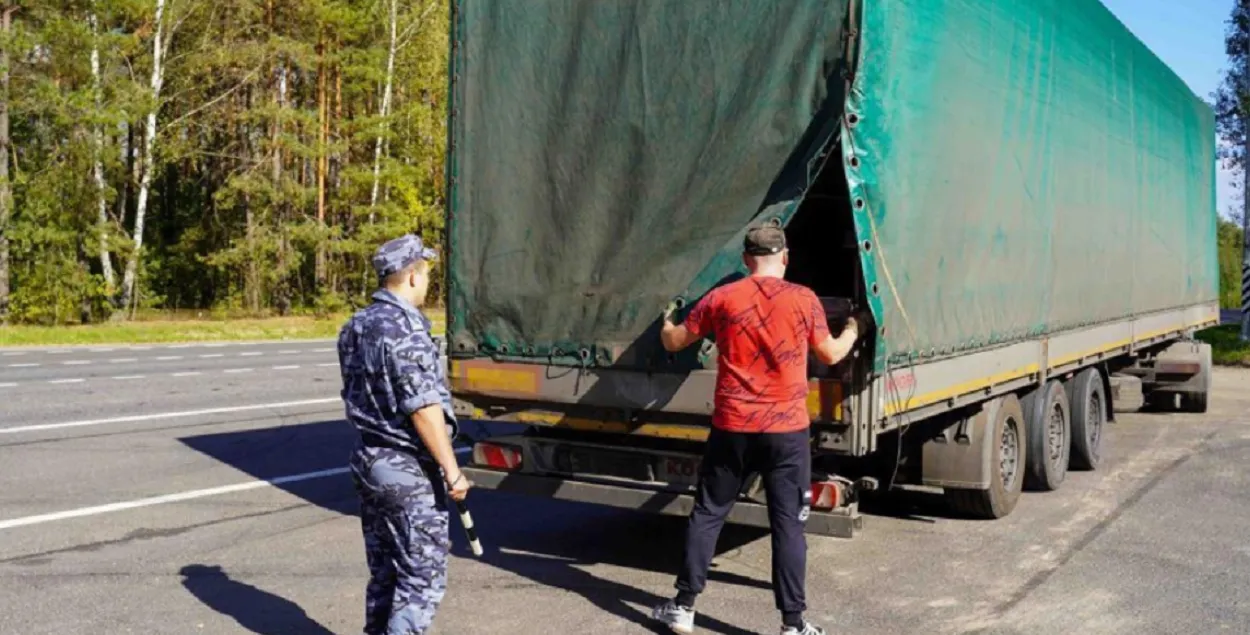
(784, 461)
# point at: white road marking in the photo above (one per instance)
(327, 365)
(251, 354)
(215, 345)
(168, 358)
(191, 373)
(211, 355)
(59, 352)
(101, 350)
(238, 370)
(124, 377)
(168, 498)
(8, 385)
(23, 365)
(285, 367)
(168, 415)
(288, 352)
(123, 360)
(77, 362)
(322, 350)
(14, 353)
(67, 381)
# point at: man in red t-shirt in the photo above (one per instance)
(764, 328)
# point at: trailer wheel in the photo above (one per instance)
(1089, 417)
(1046, 413)
(1009, 441)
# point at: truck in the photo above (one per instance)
(1018, 195)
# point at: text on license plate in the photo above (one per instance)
(678, 470)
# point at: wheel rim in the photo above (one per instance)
(1093, 424)
(1056, 434)
(1010, 448)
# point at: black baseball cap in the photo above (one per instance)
(764, 241)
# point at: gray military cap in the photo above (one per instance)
(400, 252)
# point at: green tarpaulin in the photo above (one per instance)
(1019, 166)
(605, 154)
(1028, 166)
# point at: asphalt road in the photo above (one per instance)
(180, 503)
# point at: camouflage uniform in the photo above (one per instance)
(391, 368)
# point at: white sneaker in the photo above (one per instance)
(678, 618)
(808, 629)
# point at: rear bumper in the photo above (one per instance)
(839, 523)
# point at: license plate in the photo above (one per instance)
(604, 463)
(678, 470)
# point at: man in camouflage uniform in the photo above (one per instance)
(403, 466)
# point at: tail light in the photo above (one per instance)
(497, 455)
(826, 494)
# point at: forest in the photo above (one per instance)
(232, 157)
(239, 156)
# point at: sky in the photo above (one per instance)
(1188, 35)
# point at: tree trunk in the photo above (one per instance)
(322, 163)
(102, 217)
(386, 107)
(125, 138)
(149, 140)
(6, 194)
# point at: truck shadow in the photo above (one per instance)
(551, 542)
(543, 540)
(287, 450)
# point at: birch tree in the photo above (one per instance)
(146, 159)
(97, 172)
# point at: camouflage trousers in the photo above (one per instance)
(404, 518)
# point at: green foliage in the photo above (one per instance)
(1230, 245)
(1227, 348)
(1232, 98)
(263, 168)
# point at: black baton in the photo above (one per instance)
(467, 521)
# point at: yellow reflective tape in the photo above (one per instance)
(477, 378)
(1106, 348)
(929, 398)
(662, 430)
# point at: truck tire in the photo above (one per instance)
(1194, 402)
(1089, 418)
(1047, 415)
(1010, 440)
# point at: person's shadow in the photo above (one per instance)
(255, 610)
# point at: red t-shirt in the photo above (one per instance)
(764, 328)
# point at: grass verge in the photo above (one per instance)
(1227, 349)
(179, 331)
